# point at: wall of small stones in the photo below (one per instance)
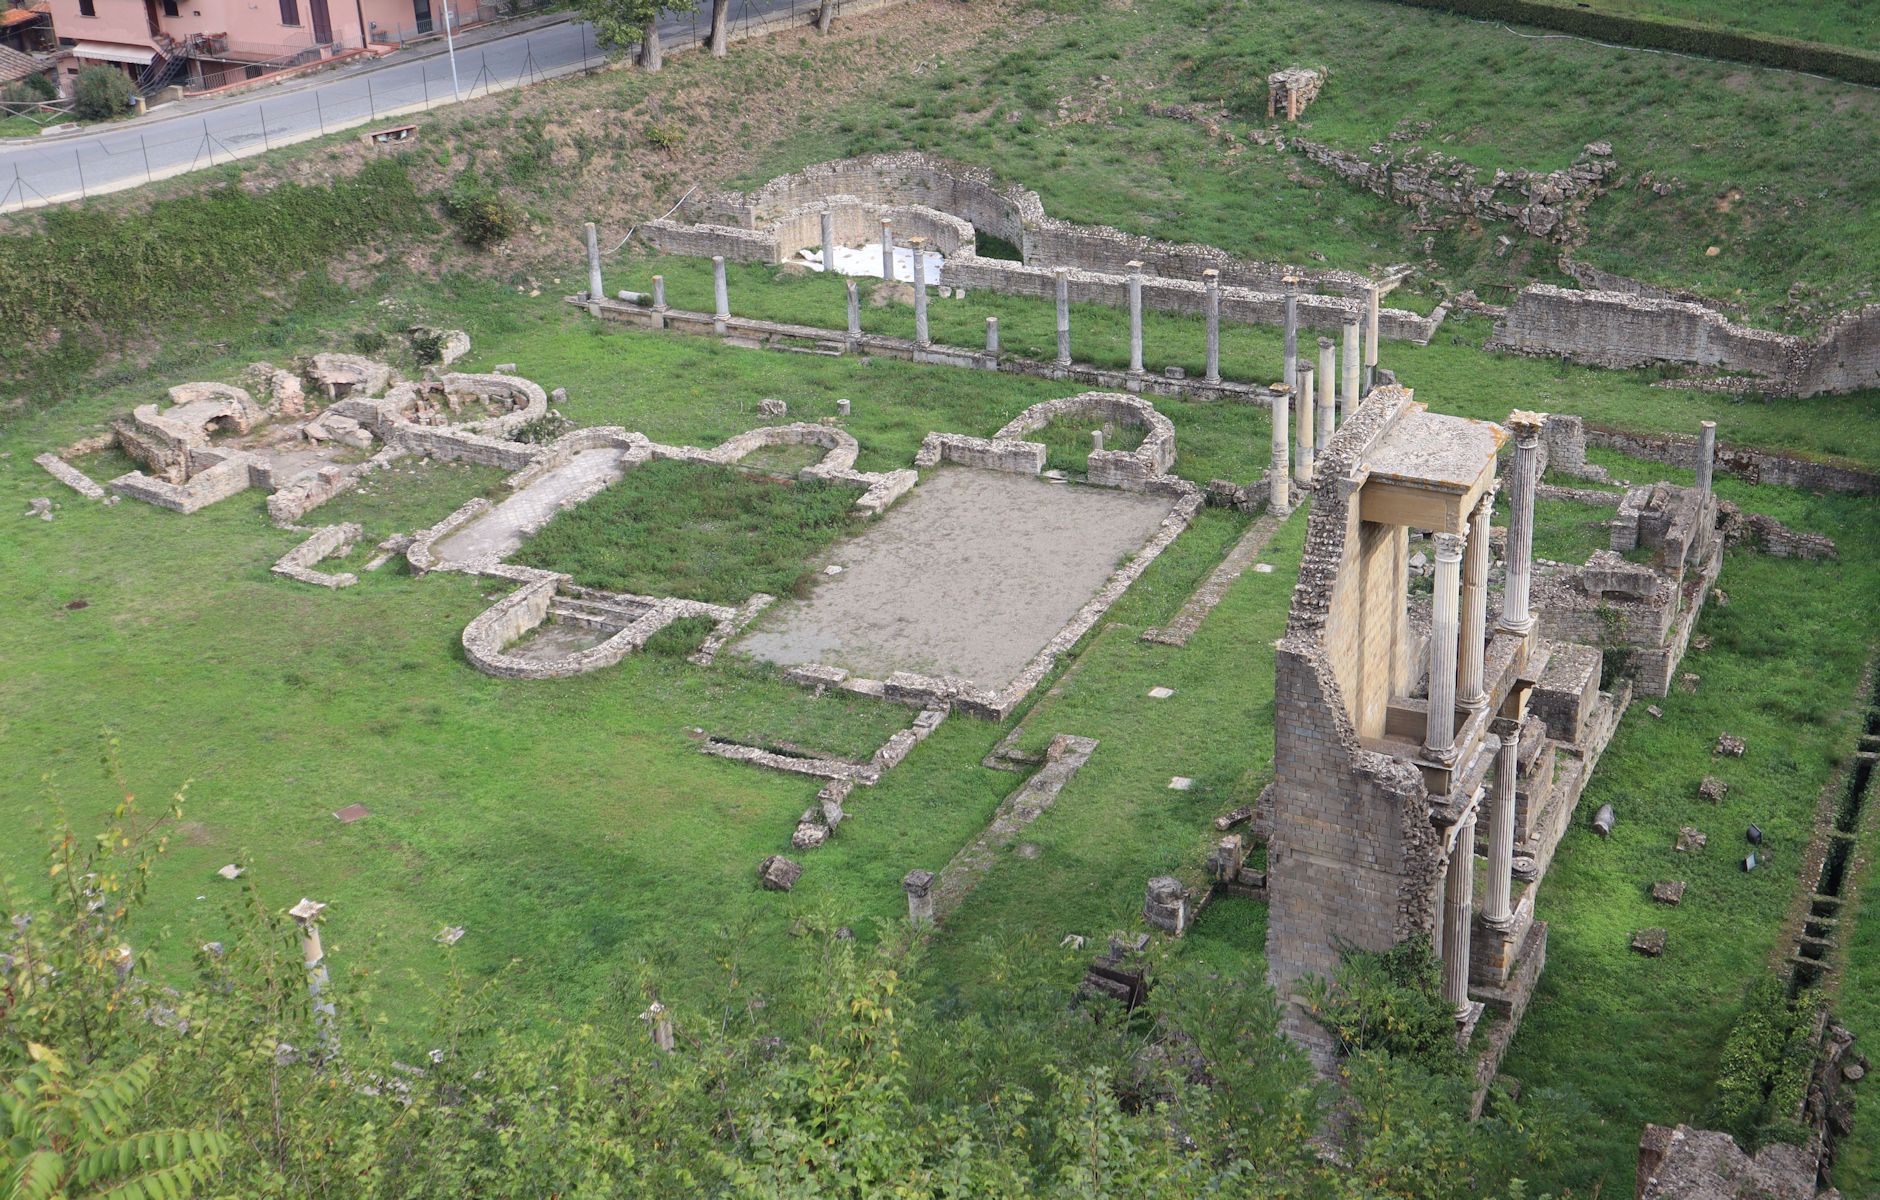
(327, 542)
(1619, 329)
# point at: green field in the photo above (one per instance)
(1834, 22)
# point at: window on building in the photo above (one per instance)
(290, 12)
(87, 8)
(169, 8)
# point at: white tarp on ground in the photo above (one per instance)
(866, 260)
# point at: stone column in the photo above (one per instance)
(1304, 448)
(1522, 473)
(1349, 403)
(306, 915)
(1458, 905)
(1328, 397)
(1471, 692)
(1064, 317)
(919, 888)
(1706, 455)
(1212, 280)
(596, 289)
(1439, 739)
(887, 251)
(659, 1023)
(855, 316)
(1370, 335)
(1289, 371)
(992, 335)
(1279, 474)
(659, 302)
(1135, 317)
(829, 242)
(918, 247)
(1497, 910)
(721, 298)
(1096, 440)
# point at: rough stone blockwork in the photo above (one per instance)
(333, 541)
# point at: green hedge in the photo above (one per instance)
(1669, 33)
(1764, 1069)
(89, 270)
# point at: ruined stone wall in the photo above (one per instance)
(1754, 466)
(227, 478)
(1618, 329)
(882, 179)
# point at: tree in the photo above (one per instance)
(60, 1137)
(100, 93)
(825, 15)
(622, 23)
(720, 36)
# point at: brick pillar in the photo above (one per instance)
(1279, 475)
(1523, 473)
(1706, 455)
(1064, 317)
(1496, 903)
(1135, 317)
(1212, 279)
(887, 251)
(1439, 740)
(1458, 906)
(1348, 404)
(596, 289)
(1304, 450)
(1328, 397)
(1471, 692)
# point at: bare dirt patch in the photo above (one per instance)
(969, 576)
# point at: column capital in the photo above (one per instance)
(1527, 427)
(1325, 343)
(1134, 264)
(1506, 728)
(1449, 547)
(1211, 277)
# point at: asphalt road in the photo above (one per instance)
(192, 135)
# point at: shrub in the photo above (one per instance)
(1391, 1001)
(543, 429)
(368, 341)
(100, 93)
(663, 137)
(33, 87)
(482, 217)
(1763, 1071)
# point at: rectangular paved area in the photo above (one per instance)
(969, 575)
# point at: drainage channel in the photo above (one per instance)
(1834, 887)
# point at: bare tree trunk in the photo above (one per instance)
(649, 44)
(720, 37)
(825, 16)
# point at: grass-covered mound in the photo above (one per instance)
(701, 532)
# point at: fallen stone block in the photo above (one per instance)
(1668, 892)
(1691, 839)
(778, 874)
(1713, 789)
(1649, 942)
(1730, 744)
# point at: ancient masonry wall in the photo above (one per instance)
(1619, 329)
(332, 541)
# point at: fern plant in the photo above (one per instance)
(63, 1137)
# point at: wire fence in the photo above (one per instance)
(112, 159)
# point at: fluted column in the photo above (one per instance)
(919, 248)
(1496, 909)
(1458, 906)
(1064, 317)
(1348, 403)
(1439, 740)
(1706, 455)
(1328, 397)
(1278, 475)
(1522, 472)
(1470, 691)
(1289, 371)
(1135, 317)
(1303, 449)
(1211, 279)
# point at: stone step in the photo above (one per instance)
(592, 613)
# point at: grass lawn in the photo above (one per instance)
(1835, 22)
(698, 532)
(1785, 655)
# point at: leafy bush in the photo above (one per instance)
(663, 137)
(1763, 1071)
(100, 93)
(368, 341)
(482, 217)
(31, 88)
(1391, 1002)
(543, 429)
